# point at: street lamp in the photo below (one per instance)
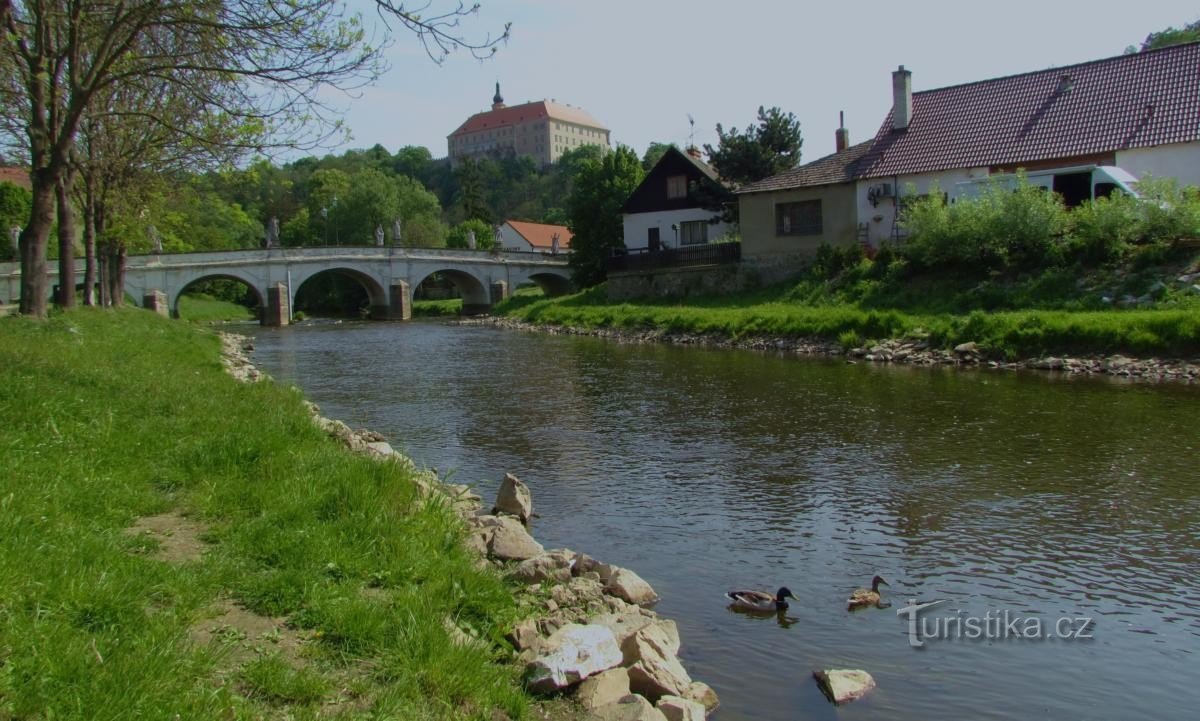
(325, 219)
(336, 240)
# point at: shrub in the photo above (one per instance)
(1103, 230)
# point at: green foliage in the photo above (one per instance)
(653, 154)
(1189, 33)
(761, 151)
(458, 235)
(594, 206)
(15, 205)
(1000, 228)
(295, 524)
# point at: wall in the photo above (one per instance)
(880, 217)
(1179, 160)
(510, 239)
(759, 241)
(637, 225)
(675, 282)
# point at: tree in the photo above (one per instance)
(458, 236)
(15, 202)
(763, 150)
(260, 64)
(594, 206)
(1189, 33)
(653, 154)
(470, 191)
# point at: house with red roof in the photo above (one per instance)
(542, 130)
(533, 237)
(16, 176)
(1138, 112)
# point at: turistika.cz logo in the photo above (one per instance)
(994, 625)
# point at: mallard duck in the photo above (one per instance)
(866, 596)
(760, 600)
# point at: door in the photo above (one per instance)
(652, 241)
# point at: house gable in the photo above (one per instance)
(660, 189)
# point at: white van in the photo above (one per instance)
(1075, 185)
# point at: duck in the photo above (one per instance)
(760, 600)
(866, 596)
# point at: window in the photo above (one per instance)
(677, 186)
(802, 218)
(693, 232)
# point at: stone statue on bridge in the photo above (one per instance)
(471, 239)
(272, 232)
(14, 234)
(155, 239)
(396, 228)
(379, 235)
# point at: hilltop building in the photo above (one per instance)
(542, 130)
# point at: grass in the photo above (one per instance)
(1054, 312)
(111, 416)
(435, 308)
(206, 309)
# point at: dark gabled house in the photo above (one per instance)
(668, 208)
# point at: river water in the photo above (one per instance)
(1016, 499)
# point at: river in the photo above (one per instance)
(1014, 498)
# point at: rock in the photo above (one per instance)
(514, 498)
(844, 685)
(628, 586)
(571, 654)
(381, 449)
(551, 565)
(604, 688)
(586, 564)
(509, 540)
(656, 671)
(630, 708)
(524, 635)
(968, 348)
(703, 694)
(624, 625)
(677, 708)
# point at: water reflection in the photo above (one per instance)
(708, 470)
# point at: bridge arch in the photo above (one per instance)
(377, 295)
(245, 279)
(552, 283)
(474, 291)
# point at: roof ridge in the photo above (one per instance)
(1059, 68)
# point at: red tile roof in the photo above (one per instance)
(1130, 101)
(507, 116)
(541, 235)
(16, 176)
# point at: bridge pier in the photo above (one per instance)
(156, 300)
(499, 291)
(277, 313)
(399, 302)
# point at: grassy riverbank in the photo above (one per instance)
(1057, 311)
(278, 576)
(206, 309)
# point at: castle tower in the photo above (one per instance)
(497, 99)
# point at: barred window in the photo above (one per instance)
(800, 218)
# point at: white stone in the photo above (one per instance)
(553, 565)
(677, 708)
(843, 685)
(514, 498)
(510, 541)
(628, 586)
(624, 625)
(702, 694)
(571, 654)
(604, 688)
(630, 708)
(655, 669)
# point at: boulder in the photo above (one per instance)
(630, 708)
(551, 565)
(628, 586)
(509, 540)
(677, 708)
(967, 348)
(624, 625)
(514, 499)
(381, 449)
(585, 564)
(656, 671)
(842, 685)
(524, 635)
(604, 688)
(703, 694)
(571, 654)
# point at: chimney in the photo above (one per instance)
(693, 151)
(901, 98)
(842, 137)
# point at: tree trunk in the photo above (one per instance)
(34, 283)
(66, 241)
(89, 248)
(116, 296)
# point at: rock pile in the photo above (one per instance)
(594, 636)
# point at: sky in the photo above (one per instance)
(641, 68)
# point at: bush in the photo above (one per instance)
(1102, 230)
(458, 235)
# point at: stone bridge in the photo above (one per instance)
(388, 274)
